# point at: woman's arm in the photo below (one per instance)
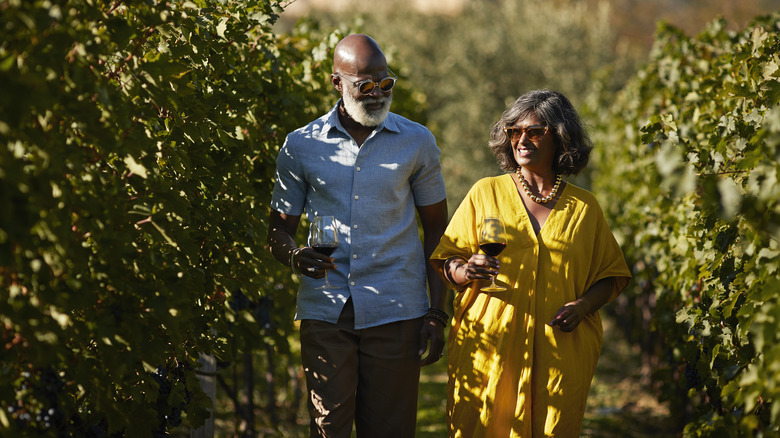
(572, 314)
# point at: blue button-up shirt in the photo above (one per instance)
(372, 192)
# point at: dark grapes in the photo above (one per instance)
(692, 377)
(169, 416)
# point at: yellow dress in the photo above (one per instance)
(510, 374)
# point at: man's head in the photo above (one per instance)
(357, 59)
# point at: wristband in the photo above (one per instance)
(438, 315)
(292, 261)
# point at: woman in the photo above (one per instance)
(521, 361)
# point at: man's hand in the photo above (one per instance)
(432, 331)
(311, 263)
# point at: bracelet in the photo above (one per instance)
(292, 261)
(438, 315)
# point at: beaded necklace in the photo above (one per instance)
(533, 197)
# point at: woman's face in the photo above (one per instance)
(536, 154)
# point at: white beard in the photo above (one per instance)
(357, 110)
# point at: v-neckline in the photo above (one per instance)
(527, 214)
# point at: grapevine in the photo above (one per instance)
(694, 141)
(137, 142)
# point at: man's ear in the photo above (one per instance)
(336, 81)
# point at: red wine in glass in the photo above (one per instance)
(324, 238)
(492, 249)
(325, 249)
(492, 241)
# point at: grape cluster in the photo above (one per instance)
(39, 406)
(263, 313)
(692, 377)
(168, 415)
(239, 301)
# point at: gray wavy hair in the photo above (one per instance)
(556, 111)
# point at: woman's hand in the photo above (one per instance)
(481, 267)
(571, 315)
(478, 267)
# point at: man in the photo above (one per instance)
(363, 341)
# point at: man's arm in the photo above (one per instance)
(281, 232)
(434, 221)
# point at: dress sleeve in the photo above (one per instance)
(608, 259)
(459, 239)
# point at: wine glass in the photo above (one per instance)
(492, 241)
(324, 238)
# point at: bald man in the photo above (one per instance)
(364, 339)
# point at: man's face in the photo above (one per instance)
(369, 110)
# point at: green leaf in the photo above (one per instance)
(730, 198)
(135, 168)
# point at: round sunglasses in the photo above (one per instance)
(367, 86)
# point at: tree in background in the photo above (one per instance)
(635, 21)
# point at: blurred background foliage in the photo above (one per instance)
(472, 58)
(470, 65)
(138, 146)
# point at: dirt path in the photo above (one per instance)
(618, 406)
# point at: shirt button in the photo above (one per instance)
(356, 197)
(354, 256)
(358, 169)
(355, 226)
(351, 283)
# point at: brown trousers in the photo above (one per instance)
(368, 376)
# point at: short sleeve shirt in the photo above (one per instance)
(372, 191)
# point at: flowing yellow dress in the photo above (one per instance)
(510, 374)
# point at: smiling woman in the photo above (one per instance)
(521, 360)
